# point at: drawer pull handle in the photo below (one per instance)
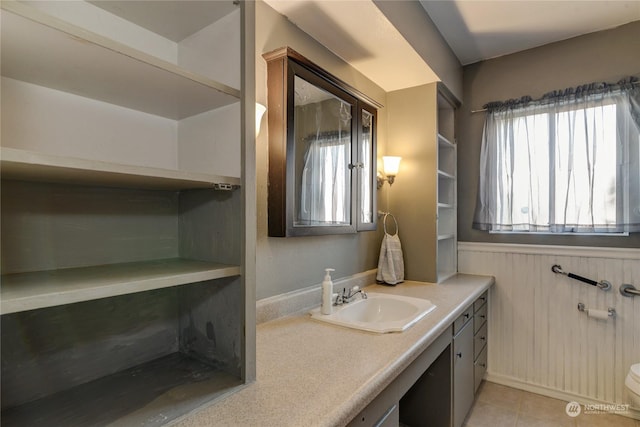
(483, 316)
(459, 355)
(483, 338)
(466, 315)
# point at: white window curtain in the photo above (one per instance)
(569, 162)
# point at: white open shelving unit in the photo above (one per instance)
(95, 120)
(423, 124)
(447, 189)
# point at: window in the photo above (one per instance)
(568, 163)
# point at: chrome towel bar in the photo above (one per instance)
(629, 290)
(602, 284)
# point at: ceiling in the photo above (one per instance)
(360, 34)
(478, 30)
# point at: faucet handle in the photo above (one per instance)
(337, 298)
(347, 297)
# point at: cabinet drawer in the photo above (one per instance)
(479, 368)
(462, 320)
(480, 318)
(482, 299)
(479, 341)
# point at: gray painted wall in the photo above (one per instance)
(209, 225)
(49, 350)
(47, 226)
(287, 264)
(603, 56)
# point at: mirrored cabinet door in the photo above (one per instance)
(323, 130)
(366, 215)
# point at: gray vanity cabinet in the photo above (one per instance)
(480, 308)
(469, 357)
(439, 387)
(463, 375)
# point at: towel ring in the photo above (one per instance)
(384, 223)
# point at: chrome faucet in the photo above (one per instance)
(346, 297)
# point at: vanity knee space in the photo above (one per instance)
(419, 396)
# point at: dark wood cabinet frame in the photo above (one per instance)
(282, 66)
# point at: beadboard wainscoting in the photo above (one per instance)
(538, 339)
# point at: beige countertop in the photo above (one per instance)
(311, 373)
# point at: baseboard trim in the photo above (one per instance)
(305, 299)
(553, 393)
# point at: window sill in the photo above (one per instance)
(549, 233)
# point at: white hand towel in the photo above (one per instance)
(391, 262)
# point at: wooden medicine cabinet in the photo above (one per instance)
(322, 150)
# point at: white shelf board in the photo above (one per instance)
(446, 236)
(29, 291)
(35, 166)
(46, 51)
(444, 142)
(445, 205)
(444, 174)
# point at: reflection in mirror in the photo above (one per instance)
(366, 170)
(322, 131)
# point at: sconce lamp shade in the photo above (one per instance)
(260, 109)
(391, 165)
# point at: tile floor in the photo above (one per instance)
(501, 406)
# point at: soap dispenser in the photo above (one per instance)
(327, 292)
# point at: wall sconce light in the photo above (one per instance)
(260, 110)
(390, 166)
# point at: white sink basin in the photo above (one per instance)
(378, 313)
